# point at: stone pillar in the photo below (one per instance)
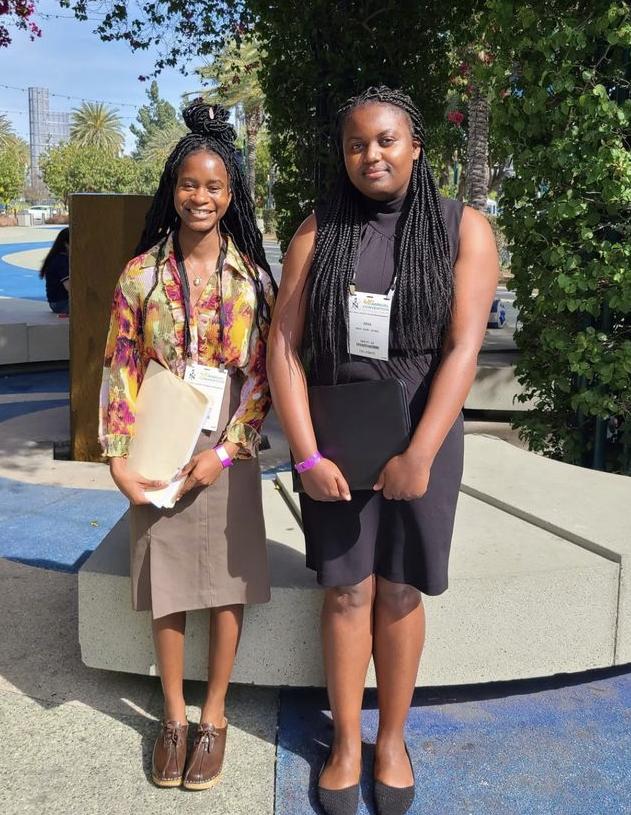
(103, 234)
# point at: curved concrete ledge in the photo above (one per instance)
(30, 332)
(528, 597)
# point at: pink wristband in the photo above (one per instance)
(222, 453)
(308, 463)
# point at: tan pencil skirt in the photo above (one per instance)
(210, 549)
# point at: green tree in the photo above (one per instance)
(156, 151)
(93, 124)
(6, 130)
(71, 168)
(561, 106)
(155, 118)
(317, 54)
(235, 74)
(312, 56)
(13, 166)
(161, 143)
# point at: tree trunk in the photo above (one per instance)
(253, 122)
(251, 134)
(478, 151)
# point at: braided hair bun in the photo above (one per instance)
(210, 121)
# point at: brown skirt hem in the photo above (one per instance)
(250, 601)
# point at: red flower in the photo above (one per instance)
(456, 117)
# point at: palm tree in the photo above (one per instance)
(6, 131)
(93, 124)
(161, 143)
(235, 73)
(478, 150)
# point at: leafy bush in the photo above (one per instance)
(561, 106)
(318, 54)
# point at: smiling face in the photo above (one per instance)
(201, 193)
(379, 150)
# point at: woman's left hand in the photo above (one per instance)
(201, 471)
(404, 478)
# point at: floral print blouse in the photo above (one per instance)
(134, 339)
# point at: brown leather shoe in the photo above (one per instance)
(169, 754)
(203, 769)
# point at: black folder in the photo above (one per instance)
(360, 426)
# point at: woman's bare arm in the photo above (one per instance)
(475, 281)
(286, 374)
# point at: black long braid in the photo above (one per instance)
(210, 131)
(422, 300)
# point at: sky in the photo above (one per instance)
(70, 60)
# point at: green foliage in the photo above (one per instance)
(234, 74)
(71, 168)
(155, 153)
(312, 57)
(95, 125)
(154, 119)
(6, 131)
(176, 32)
(318, 54)
(13, 166)
(561, 105)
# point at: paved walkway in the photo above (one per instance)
(79, 740)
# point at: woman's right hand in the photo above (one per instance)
(131, 484)
(325, 482)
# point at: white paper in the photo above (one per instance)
(169, 418)
(369, 324)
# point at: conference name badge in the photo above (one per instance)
(212, 383)
(369, 324)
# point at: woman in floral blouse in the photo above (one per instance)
(198, 295)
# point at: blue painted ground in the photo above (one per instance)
(51, 527)
(54, 527)
(40, 382)
(43, 382)
(547, 747)
(16, 281)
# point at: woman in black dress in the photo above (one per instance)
(384, 230)
(55, 270)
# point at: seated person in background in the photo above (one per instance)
(56, 271)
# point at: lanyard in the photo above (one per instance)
(186, 296)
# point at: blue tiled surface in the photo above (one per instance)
(524, 748)
(54, 527)
(13, 409)
(16, 281)
(41, 382)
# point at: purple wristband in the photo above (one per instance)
(223, 456)
(308, 463)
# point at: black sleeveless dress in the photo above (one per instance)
(402, 541)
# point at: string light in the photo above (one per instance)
(48, 16)
(74, 98)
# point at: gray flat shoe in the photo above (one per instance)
(338, 802)
(394, 800)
